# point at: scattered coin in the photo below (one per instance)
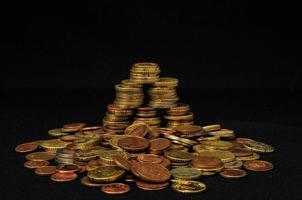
(151, 186)
(32, 164)
(233, 173)
(115, 188)
(63, 177)
(150, 172)
(87, 182)
(26, 147)
(40, 156)
(45, 170)
(258, 165)
(189, 187)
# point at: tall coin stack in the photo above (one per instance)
(163, 93)
(148, 115)
(179, 115)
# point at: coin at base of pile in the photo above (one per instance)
(188, 187)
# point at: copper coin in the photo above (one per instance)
(26, 147)
(45, 170)
(38, 156)
(122, 163)
(166, 163)
(151, 186)
(69, 138)
(67, 168)
(258, 165)
(32, 164)
(150, 158)
(233, 173)
(74, 125)
(185, 129)
(243, 140)
(129, 178)
(133, 144)
(115, 188)
(204, 162)
(241, 151)
(159, 144)
(63, 177)
(151, 172)
(87, 182)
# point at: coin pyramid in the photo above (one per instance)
(147, 139)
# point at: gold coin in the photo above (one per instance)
(254, 156)
(105, 174)
(259, 147)
(218, 144)
(108, 156)
(186, 173)
(188, 187)
(235, 164)
(224, 156)
(178, 156)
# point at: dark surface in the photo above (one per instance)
(272, 117)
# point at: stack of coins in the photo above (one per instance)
(148, 115)
(128, 96)
(65, 156)
(163, 93)
(116, 119)
(144, 73)
(179, 115)
(178, 158)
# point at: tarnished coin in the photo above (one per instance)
(32, 164)
(115, 188)
(45, 170)
(26, 147)
(233, 164)
(159, 144)
(87, 182)
(38, 156)
(151, 186)
(186, 173)
(122, 162)
(63, 177)
(152, 158)
(233, 173)
(133, 144)
(188, 187)
(150, 172)
(258, 165)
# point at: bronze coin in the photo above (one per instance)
(26, 147)
(69, 138)
(150, 158)
(87, 182)
(63, 177)
(159, 144)
(166, 163)
(151, 186)
(150, 172)
(45, 170)
(258, 165)
(38, 156)
(115, 188)
(243, 140)
(133, 144)
(32, 164)
(67, 168)
(233, 173)
(204, 162)
(74, 125)
(122, 163)
(185, 129)
(241, 151)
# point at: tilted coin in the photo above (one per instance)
(122, 162)
(45, 170)
(233, 173)
(63, 177)
(152, 158)
(178, 156)
(259, 147)
(133, 144)
(224, 156)
(233, 164)
(109, 155)
(67, 168)
(74, 125)
(105, 174)
(189, 187)
(26, 147)
(258, 165)
(254, 156)
(56, 132)
(159, 144)
(150, 172)
(115, 188)
(186, 173)
(39, 156)
(241, 152)
(214, 127)
(32, 164)
(87, 182)
(137, 129)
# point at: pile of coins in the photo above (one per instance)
(140, 150)
(178, 115)
(163, 93)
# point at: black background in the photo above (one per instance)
(238, 64)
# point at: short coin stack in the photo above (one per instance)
(128, 149)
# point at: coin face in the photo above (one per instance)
(150, 158)
(67, 168)
(189, 187)
(159, 144)
(224, 156)
(151, 172)
(233, 164)
(151, 186)
(186, 173)
(204, 162)
(39, 156)
(139, 129)
(87, 182)
(45, 170)
(259, 147)
(105, 174)
(178, 156)
(115, 188)
(241, 151)
(122, 163)
(32, 164)
(133, 144)
(26, 147)
(258, 165)
(188, 128)
(63, 177)
(233, 173)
